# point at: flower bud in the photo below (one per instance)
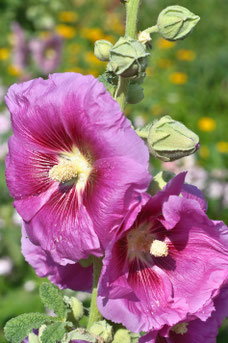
(103, 330)
(168, 140)
(77, 308)
(128, 58)
(102, 49)
(135, 94)
(176, 22)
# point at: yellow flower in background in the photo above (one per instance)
(164, 63)
(164, 44)
(14, 70)
(115, 23)
(75, 70)
(74, 48)
(206, 124)
(185, 55)
(149, 71)
(222, 147)
(66, 31)
(156, 110)
(178, 78)
(91, 58)
(4, 54)
(93, 72)
(204, 151)
(68, 16)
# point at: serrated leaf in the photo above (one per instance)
(53, 333)
(52, 298)
(18, 328)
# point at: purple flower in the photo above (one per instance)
(195, 330)
(169, 264)
(75, 165)
(47, 52)
(72, 276)
(20, 47)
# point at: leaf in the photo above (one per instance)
(53, 333)
(18, 328)
(52, 298)
(81, 335)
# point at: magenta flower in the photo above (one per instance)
(20, 47)
(73, 276)
(47, 53)
(75, 165)
(195, 330)
(169, 264)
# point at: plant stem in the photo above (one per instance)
(94, 314)
(132, 10)
(152, 29)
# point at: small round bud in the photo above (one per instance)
(122, 335)
(135, 94)
(103, 330)
(102, 49)
(176, 22)
(168, 140)
(77, 308)
(128, 58)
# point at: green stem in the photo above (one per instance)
(132, 10)
(152, 29)
(94, 314)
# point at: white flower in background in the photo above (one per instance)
(139, 121)
(6, 265)
(29, 286)
(16, 218)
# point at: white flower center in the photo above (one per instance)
(180, 328)
(72, 166)
(159, 248)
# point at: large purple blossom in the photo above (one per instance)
(47, 53)
(169, 264)
(195, 330)
(75, 165)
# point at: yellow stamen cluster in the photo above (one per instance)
(180, 328)
(159, 248)
(64, 171)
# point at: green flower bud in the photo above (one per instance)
(128, 58)
(159, 181)
(176, 22)
(77, 308)
(102, 49)
(169, 140)
(122, 335)
(135, 94)
(103, 330)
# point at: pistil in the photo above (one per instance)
(159, 248)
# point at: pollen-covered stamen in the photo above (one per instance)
(180, 328)
(159, 248)
(64, 171)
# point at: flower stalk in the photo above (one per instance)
(94, 314)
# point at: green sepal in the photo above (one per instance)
(16, 329)
(122, 335)
(79, 334)
(52, 298)
(110, 81)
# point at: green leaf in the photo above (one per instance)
(53, 333)
(18, 328)
(80, 334)
(52, 298)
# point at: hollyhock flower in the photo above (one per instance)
(20, 47)
(195, 330)
(47, 53)
(73, 276)
(75, 165)
(168, 264)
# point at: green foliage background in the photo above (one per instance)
(188, 89)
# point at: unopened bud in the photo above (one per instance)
(176, 22)
(128, 58)
(77, 308)
(135, 94)
(102, 329)
(169, 140)
(102, 49)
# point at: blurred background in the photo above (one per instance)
(187, 79)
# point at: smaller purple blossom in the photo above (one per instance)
(47, 53)
(20, 47)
